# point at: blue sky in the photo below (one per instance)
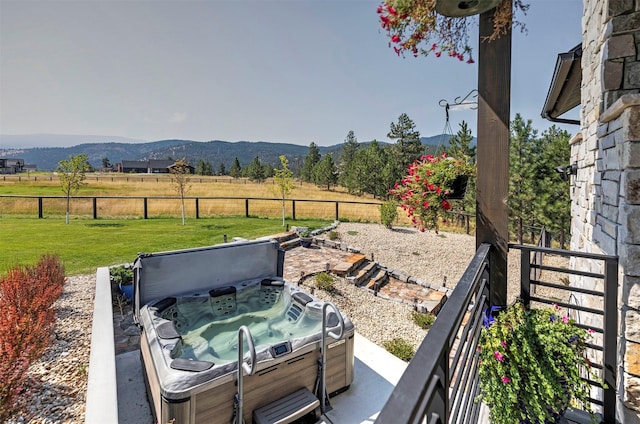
(293, 71)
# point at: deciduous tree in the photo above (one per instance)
(72, 173)
(283, 180)
(181, 171)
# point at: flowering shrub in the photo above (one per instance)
(414, 26)
(531, 362)
(26, 295)
(422, 194)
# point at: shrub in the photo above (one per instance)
(121, 275)
(388, 213)
(324, 282)
(400, 347)
(334, 235)
(424, 321)
(27, 295)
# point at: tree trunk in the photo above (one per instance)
(182, 211)
(66, 216)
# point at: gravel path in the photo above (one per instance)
(56, 389)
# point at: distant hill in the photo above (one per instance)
(216, 151)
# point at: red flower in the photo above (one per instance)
(379, 9)
(392, 10)
(397, 50)
(395, 38)
(445, 205)
(438, 54)
(470, 61)
(433, 46)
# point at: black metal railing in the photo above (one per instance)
(440, 384)
(441, 381)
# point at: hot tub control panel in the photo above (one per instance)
(280, 349)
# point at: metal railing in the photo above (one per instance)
(441, 383)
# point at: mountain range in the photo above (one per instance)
(216, 151)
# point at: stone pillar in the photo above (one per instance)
(605, 193)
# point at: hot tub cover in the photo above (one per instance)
(164, 274)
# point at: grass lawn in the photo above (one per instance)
(85, 244)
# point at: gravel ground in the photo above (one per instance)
(56, 389)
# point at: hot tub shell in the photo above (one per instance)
(207, 395)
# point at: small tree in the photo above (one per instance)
(72, 173)
(180, 171)
(284, 185)
(235, 171)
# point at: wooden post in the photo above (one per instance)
(293, 210)
(197, 208)
(95, 208)
(40, 207)
(494, 90)
(145, 207)
(246, 208)
(337, 215)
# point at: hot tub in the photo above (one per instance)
(191, 305)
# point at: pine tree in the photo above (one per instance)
(553, 201)
(255, 170)
(221, 169)
(408, 146)
(460, 143)
(236, 170)
(310, 161)
(347, 156)
(367, 165)
(325, 172)
(523, 151)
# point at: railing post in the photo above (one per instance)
(337, 210)
(197, 208)
(39, 207)
(610, 339)
(525, 276)
(246, 208)
(293, 210)
(145, 207)
(95, 208)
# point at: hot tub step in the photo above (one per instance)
(288, 408)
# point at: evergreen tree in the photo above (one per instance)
(367, 166)
(255, 170)
(523, 152)
(347, 156)
(221, 169)
(553, 201)
(325, 172)
(203, 167)
(313, 157)
(408, 146)
(236, 170)
(460, 143)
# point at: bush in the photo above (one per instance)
(424, 321)
(334, 235)
(324, 282)
(27, 295)
(388, 213)
(122, 274)
(400, 347)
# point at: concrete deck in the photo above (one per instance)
(376, 373)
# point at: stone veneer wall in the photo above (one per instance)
(606, 191)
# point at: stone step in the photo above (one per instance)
(364, 272)
(378, 280)
(348, 265)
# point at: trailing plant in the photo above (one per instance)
(400, 347)
(27, 295)
(414, 27)
(531, 364)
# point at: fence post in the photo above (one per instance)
(197, 208)
(95, 208)
(525, 276)
(337, 210)
(246, 208)
(39, 207)
(466, 224)
(293, 210)
(145, 207)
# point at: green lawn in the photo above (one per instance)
(86, 244)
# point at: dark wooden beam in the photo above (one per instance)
(494, 91)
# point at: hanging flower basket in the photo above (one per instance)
(425, 192)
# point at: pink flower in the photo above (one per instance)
(565, 319)
(504, 344)
(433, 46)
(499, 356)
(555, 305)
(506, 380)
(591, 331)
(438, 54)
(397, 50)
